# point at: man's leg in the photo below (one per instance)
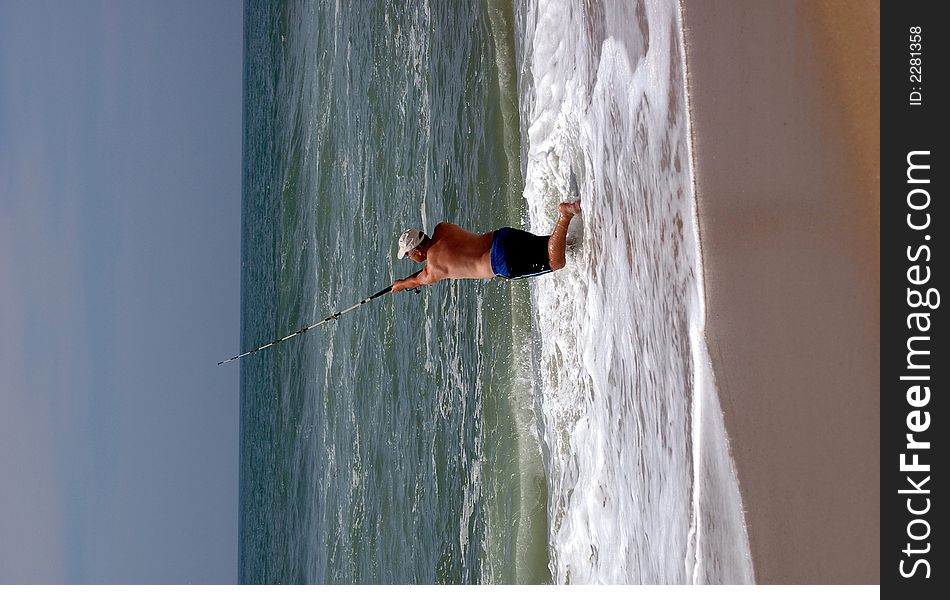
(559, 235)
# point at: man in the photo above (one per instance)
(456, 253)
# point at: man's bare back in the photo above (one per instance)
(456, 253)
(451, 253)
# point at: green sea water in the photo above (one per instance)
(399, 443)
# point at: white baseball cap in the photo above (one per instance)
(409, 240)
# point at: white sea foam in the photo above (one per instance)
(640, 481)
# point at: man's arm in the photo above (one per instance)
(423, 277)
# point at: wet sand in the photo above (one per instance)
(785, 102)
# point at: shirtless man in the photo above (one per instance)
(456, 253)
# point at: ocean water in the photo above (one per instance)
(559, 429)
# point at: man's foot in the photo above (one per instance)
(570, 208)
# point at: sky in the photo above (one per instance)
(120, 215)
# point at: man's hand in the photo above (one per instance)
(404, 284)
(413, 281)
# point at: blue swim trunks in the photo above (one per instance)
(516, 254)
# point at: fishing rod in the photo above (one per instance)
(332, 317)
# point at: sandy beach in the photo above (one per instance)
(785, 108)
